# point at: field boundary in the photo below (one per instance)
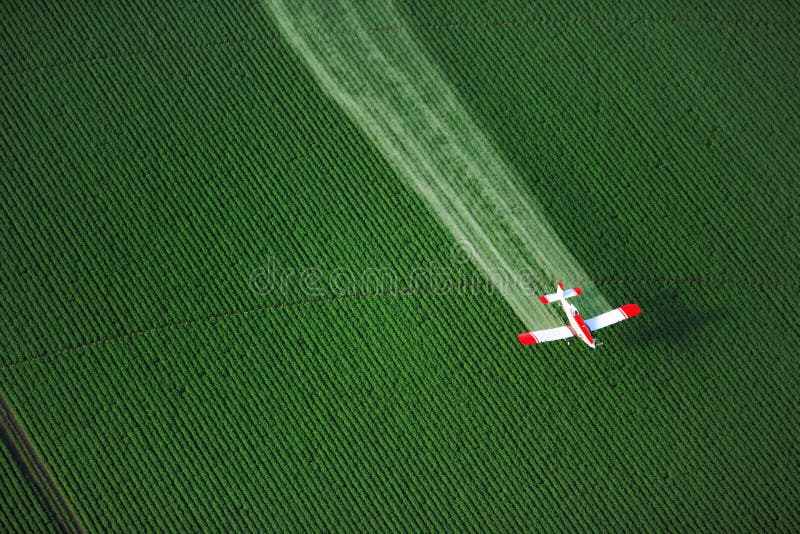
(14, 437)
(467, 25)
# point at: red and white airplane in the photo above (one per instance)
(577, 325)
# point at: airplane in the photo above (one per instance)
(577, 325)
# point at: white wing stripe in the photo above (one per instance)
(552, 334)
(614, 316)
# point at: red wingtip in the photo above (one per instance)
(578, 291)
(630, 310)
(527, 339)
(543, 299)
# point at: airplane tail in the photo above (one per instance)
(560, 293)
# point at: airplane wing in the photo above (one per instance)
(572, 292)
(614, 316)
(540, 336)
(567, 293)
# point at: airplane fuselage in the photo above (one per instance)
(577, 324)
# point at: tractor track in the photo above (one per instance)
(16, 439)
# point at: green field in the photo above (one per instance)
(230, 305)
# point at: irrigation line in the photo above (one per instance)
(402, 291)
(745, 283)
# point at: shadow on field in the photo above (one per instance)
(672, 321)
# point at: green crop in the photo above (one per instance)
(223, 309)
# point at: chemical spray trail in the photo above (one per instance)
(366, 61)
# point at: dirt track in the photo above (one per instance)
(14, 437)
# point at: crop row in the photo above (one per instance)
(616, 141)
(272, 406)
(280, 423)
(22, 509)
(409, 410)
(130, 198)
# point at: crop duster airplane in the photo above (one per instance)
(577, 325)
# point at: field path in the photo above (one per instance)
(365, 59)
(14, 437)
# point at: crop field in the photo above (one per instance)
(264, 265)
